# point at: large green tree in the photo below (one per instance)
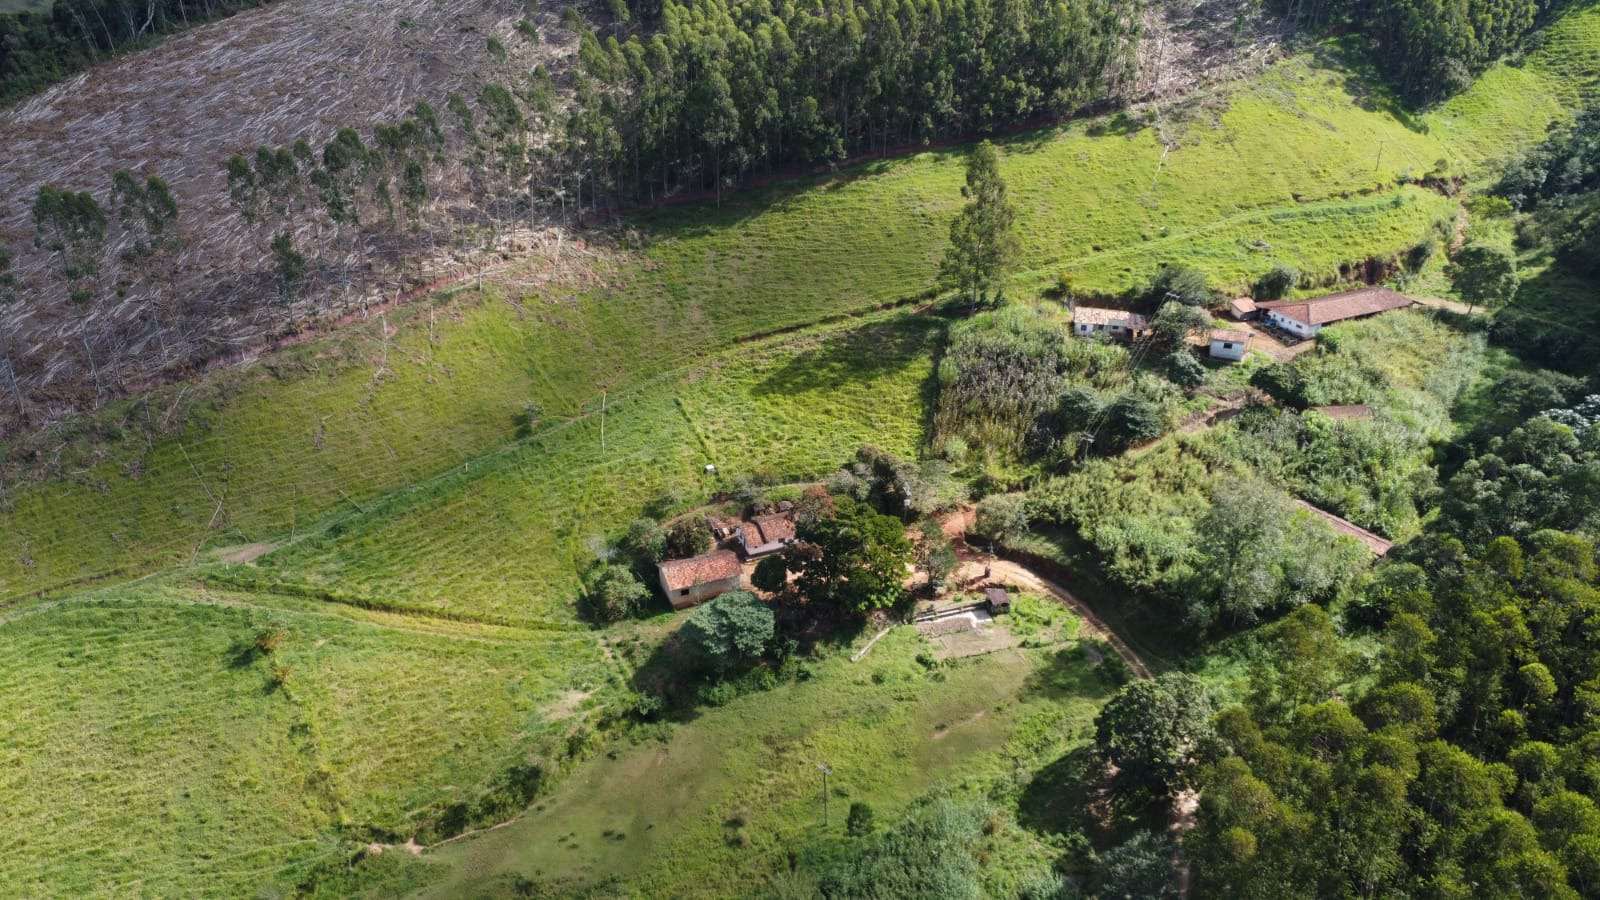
(1485, 275)
(983, 239)
(614, 593)
(1260, 553)
(1174, 323)
(854, 560)
(1156, 733)
(729, 631)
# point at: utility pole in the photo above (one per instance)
(825, 773)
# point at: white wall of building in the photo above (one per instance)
(1233, 350)
(1294, 326)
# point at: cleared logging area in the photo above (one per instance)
(269, 76)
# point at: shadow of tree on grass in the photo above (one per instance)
(875, 350)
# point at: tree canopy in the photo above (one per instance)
(1485, 274)
(707, 93)
(729, 630)
(854, 560)
(983, 239)
(1156, 733)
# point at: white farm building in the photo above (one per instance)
(1305, 318)
(1229, 344)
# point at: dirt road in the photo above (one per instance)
(1003, 571)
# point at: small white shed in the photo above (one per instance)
(1229, 344)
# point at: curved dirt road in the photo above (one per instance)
(1003, 571)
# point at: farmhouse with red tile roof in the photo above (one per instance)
(1306, 317)
(766, 534)
(699, 578)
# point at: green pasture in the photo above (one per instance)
(737, 789)
(507, 535)
(150, 752)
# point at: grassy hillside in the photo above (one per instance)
(737, 791)
(150, 751)
(507, 535)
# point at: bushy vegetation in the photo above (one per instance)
(1374, 472)
(1555, 187)
(1205, 524)
(1003, 372)
(1016, 387)
(928, 854)
(1560, 169)
(1213, 549)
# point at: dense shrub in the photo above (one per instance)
(1278, 281)
(613, 593)
(729, 631)
(1004, 370)
(927, 854)
(1181, 284)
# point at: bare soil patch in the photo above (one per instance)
(245, 553)
(1192, 44)
(568, 705)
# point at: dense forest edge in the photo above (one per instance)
(42, 48)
